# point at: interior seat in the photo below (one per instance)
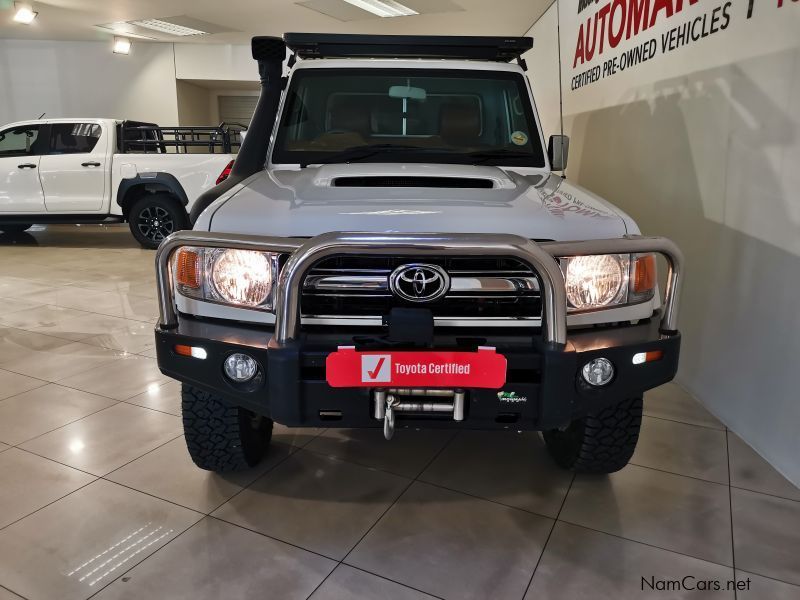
(350, 118)
(460, 125)
(348, 125)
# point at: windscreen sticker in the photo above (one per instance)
(519, 138)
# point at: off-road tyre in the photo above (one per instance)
(154, 216)
(221, 437)
(602, 442)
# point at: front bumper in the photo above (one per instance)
(543, 390)
(548, 390)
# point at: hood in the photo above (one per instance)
(445, 198)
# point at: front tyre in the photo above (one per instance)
(154, 216)
(602, 442)
(221, 437)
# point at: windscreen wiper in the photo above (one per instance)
(482, 156)
(358, 153)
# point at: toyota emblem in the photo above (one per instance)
(419, 283)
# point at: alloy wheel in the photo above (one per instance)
(155, 223)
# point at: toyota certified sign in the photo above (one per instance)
(348, 367)
(419, 283)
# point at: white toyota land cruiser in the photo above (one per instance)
(393, 249)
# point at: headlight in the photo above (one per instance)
(596, 281)
(607, 280)
(237, 277)
(241, 276)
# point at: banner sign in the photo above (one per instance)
(601, 39)
(416, 369)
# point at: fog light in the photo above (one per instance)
(598, 372)
(240, 368)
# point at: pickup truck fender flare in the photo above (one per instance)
(151, 183)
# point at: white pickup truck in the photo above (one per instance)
(104, 170)
(395, 248)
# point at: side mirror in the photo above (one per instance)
(558, 151)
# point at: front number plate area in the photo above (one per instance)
(348, 367)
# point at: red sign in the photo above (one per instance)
(416, 369)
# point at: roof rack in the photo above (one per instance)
(334, 45)
(147, 138)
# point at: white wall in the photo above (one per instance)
(702, 144)
(215, 61)
(543, 67)
(73, 79)
(194, 104)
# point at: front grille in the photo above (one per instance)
(357, 286)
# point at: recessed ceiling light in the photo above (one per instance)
(384, 8)
(167, 27)
(122, 45)
(25, 13)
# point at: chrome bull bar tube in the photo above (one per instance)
(554, 301)
(168, 318)
(635, 244)
(305, 253)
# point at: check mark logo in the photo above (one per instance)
(374, 374)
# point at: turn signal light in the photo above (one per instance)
(644, 357)
(644, 274)
(193, 351)
(187, 268)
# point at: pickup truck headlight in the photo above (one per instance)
(607, 280)
(242, 278)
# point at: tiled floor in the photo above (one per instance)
(98, 497)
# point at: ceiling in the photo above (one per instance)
(239, 20)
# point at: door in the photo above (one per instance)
(75, 170)
(237, 109)
(20, 187)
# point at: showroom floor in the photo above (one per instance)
(98, 495)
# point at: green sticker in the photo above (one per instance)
(519, 138)
(512, 397)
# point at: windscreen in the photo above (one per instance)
(401, 115)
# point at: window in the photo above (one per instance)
(20, 141)
(73, 138)
(408, 115)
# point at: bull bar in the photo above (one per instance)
(541, 257)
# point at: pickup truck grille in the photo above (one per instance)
(481, 288)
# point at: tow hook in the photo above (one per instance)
(387, 404)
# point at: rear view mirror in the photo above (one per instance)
(407, 92)
(558, 151)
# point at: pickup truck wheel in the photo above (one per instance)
(15, 227)
(602, 442)
(221, 437)
(154, 216)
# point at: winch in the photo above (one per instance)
(412, 400)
